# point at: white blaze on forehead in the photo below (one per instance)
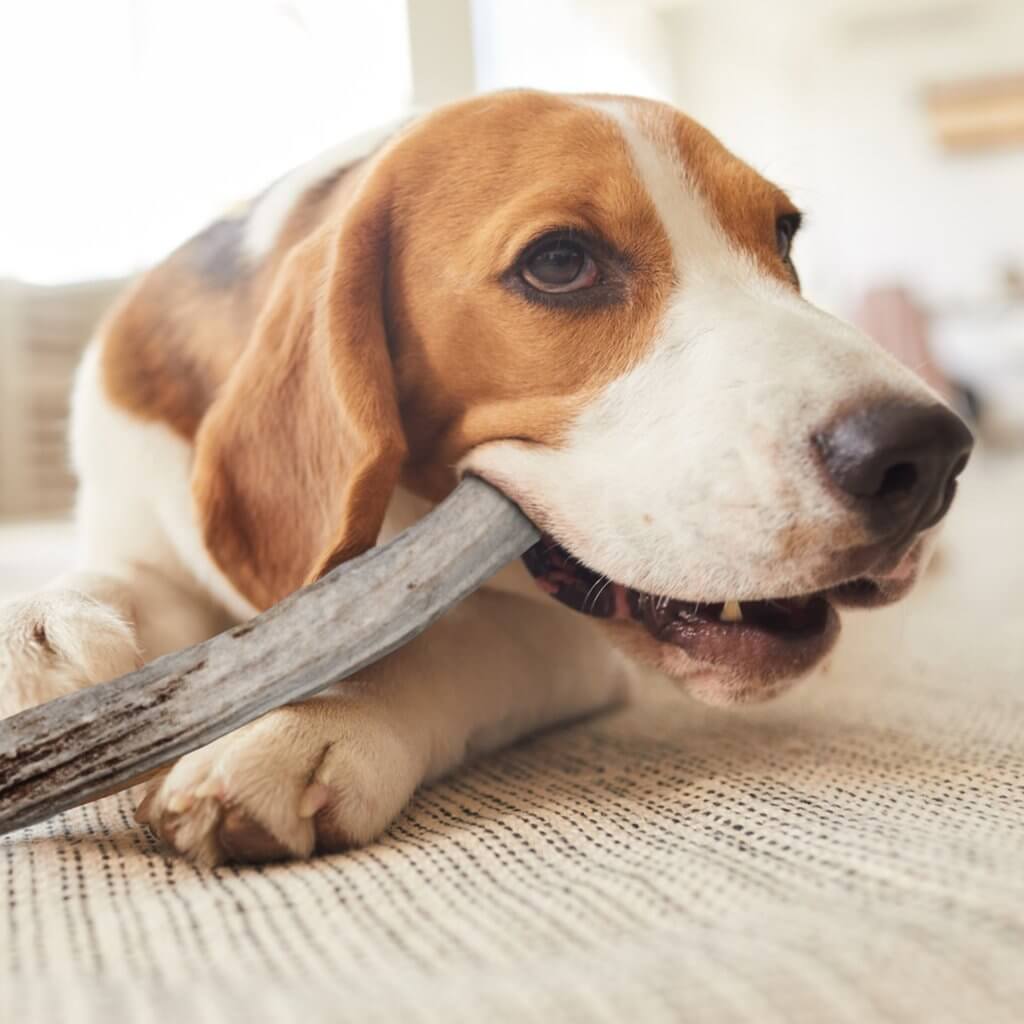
(270, 211)
(693, 474)
(696, 238)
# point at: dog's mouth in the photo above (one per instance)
(769, 638)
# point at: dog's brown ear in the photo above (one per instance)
(298, 456)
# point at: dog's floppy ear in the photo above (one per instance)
(298, 456)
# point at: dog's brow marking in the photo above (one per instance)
(696, 239)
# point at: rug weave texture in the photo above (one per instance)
(853, 852)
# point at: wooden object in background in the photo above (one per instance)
(43, 330)
(977, 115)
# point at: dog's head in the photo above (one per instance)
(591, 303)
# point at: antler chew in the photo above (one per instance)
(103, 738)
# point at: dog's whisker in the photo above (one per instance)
(602, 582)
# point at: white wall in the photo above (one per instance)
(441, 51)
(572, 46)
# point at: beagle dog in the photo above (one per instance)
(587, 301)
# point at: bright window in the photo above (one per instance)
(130, 123)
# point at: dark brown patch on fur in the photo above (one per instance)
(174, 339)
(216, 252)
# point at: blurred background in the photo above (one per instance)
(898, 125)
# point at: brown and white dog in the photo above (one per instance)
(586, 300)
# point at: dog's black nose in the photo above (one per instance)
(899, 460)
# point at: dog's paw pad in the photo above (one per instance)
(284, 786)
(228, 803)
(208, 829)
(243, 839)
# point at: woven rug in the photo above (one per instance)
(853, 852)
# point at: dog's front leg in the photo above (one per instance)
(333, 772)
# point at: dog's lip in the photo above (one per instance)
(776, 637)
(868, 592)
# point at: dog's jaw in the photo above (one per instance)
(728, 651)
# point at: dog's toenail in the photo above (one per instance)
(179, 803)
(210, 788)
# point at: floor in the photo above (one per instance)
(851, 852)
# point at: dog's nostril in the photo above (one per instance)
(898, 461)
(898, 479)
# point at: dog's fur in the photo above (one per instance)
(313, 373)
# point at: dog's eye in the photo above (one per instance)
(559, 265)
(785, 228)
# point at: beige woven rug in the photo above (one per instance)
(854, 852)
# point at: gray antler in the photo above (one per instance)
(103, 738)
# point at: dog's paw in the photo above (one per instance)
(58, 641)
(304, 778)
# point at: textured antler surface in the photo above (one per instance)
(106, 737)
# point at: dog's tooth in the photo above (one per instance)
(731, 612)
